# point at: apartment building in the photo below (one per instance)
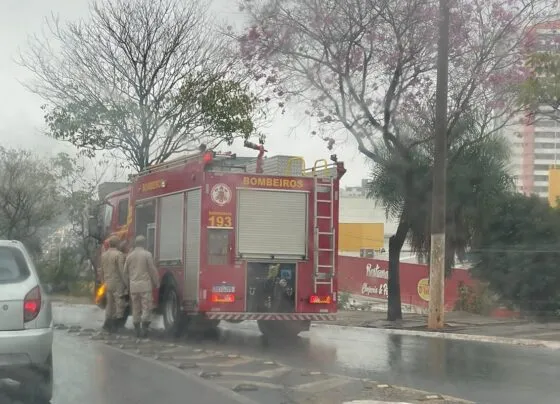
(535, 150)
(536, 143)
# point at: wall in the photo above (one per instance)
(354, 236)
(359, 209)
(368, 278)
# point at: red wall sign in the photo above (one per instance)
(368, 277)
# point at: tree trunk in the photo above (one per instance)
(394, 310)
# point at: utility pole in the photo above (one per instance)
(437, 253)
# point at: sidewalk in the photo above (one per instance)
(457, 323)
(71, 299)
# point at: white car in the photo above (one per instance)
(26, 325)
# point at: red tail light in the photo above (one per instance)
(314, 299)
(223, 298)
(208, 157)
(32, 304)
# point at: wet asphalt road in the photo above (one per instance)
(481, 372)
(96, 374)
(89, 373)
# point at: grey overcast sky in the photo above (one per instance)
(21, 119)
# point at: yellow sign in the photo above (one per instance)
(423, 289)
(553, 186)
(272, 182)
(152, 185)
(352, 237)
(220, 219)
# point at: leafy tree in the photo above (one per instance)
(29, 197)
(477, 176)
(146, 79)
(518, 253)
(59, 268)
(367, 67)
(541, 91)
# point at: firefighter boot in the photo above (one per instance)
(137, 329)
(107, 325)
(119, 323)
(111, 326)
(145, 328)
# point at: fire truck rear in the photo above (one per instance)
(236, 238)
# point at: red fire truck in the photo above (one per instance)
(235, 238)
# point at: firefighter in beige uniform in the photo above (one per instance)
(112, 270)
(143, 278)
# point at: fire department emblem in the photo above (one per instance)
(220, 194)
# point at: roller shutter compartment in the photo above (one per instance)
(192, 245)
(272, 223)
(171, 228)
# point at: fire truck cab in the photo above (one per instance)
(235, 238)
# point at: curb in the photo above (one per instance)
(534, 343)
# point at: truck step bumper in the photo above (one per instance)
(271, 316)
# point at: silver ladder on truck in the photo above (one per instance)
(324, 233)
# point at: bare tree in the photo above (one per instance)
(144, 78)
(29, 197)
(367, 68)
(78, 181)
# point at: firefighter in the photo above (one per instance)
(112, 266)
(143, 278)
(123, 247)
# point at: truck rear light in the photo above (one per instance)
(32, 304)
(208, 157)
(314, 299)
(222, 298)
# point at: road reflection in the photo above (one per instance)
(481, 372)
(246, 339)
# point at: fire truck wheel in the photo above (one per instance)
(173, 318)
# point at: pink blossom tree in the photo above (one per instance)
(367, 68)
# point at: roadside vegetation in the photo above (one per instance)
(139, 82)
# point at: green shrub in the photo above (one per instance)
(476, 299)
(59, 270)
(342, 301)
(81, 288)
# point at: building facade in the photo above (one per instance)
(536, 142)
(365, 219)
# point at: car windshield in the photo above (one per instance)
(13, 267)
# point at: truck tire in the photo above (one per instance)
(202, 327)
(174, 320)
(281, 329)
